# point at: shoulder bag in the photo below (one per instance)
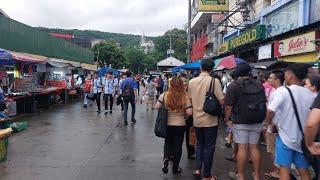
(312, 159)
(161, 125)
(211, 104)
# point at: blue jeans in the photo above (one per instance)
(206, 141)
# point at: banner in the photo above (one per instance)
(295, 45)
(213, 5)
(258, 32)
(265, 52)
(223, 48)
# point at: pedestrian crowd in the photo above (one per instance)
(282, 108)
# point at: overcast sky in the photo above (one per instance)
(151, 17)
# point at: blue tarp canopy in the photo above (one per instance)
(105, 70)
(5, 58)
(192, 66)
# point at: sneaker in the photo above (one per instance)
(110, 112)
(85, 106)
(99, 111)
(133, 121)
(106, 112)
(125, 123)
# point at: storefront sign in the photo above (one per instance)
(223, 48)
(259, 32)
(315, 11)
(213, 5)
(265, 52)
(296, 45)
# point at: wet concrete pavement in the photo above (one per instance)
(70, 142)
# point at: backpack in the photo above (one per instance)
(128, 93)
(87, 86)
(251, 106)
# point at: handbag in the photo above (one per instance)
(119, 100)
(211, 104)
(90, 96)
(192, 137)
(160, 128)
(312, 159)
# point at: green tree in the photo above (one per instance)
(135, 59)
(109, 53)
(179, 44)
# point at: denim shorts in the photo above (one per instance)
(285, 156)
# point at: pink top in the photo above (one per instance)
(268, 89)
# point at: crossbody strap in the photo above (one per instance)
(295, 110)
(212, 80)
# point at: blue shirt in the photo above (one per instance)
(129, 81)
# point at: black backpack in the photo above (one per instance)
(128, 93)
(251, 105)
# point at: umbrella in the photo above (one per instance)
(228, 62)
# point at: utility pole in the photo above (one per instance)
(189, 32)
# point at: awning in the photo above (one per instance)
(192, 66)
(30, 58)
(170, 62)
(90, 67)
(72, 63)
(57, 64)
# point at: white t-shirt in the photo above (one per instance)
(286, 121)
(97, 86)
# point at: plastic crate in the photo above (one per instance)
(3, 148)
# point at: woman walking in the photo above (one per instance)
(150, 92)
(178, 105)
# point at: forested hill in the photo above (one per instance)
(124, 39)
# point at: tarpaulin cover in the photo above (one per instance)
(105, 70)
(5, 58)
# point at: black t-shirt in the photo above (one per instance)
(233, 93)
(316, 103)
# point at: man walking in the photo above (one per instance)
(97, 90)
(245, 110)
(276, 80)
(206, 125)
(109, 86)
(129, 90)
(288, 141)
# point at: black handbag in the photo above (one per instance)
(312, 159)
(211, 104)
(160, 128)
(119, 100)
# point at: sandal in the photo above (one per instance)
(177, 171)
(197, 173)
(230, 158)
(165, 166)
(210, 178)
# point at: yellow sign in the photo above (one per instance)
(297, 45)
(213, 5)
(223, 48)
(302, 58)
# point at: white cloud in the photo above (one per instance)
(152, 17)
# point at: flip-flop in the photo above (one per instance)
(230, 159)
(211, 178)
(197, 173)
(270, 176)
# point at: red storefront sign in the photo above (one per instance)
(198, 48)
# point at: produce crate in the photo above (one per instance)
(4, 141)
